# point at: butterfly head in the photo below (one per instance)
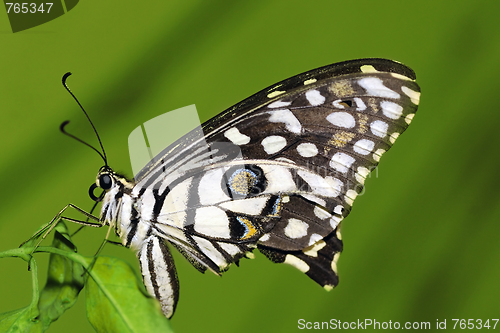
(108, 180)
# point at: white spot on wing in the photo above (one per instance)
(341, 119)
(338, 105)
(234, 135)
(307, 149)
(314, 239)
(375, 87)
(368, 69)
(327, 187)
(321, 213)
(296, 228)
(379, 128)
(300, 264)
(334, 261)
(312, 251)
(275, 93)
(391, 110)
(279, 179)
(288, 118)
(251, 206)
(335, 220)
(306, 82)
(315, 98)
(273, 144)
(363, 146)
(361, 106)
(209, 189)
(176, 200)
(393, 137)
(350, 196)
(210, 251)
(341, 162)
(264, 238)
(278, 104)
(409, 118)
(401, 77)
(313, 198)
(212, 221)
(361, 174)
(378, 154)
(334, 183)
(414, 95)
(339, 234)
(230, 248)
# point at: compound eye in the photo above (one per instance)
(105, 181)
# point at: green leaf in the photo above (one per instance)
(19, 321)
(65, 280)
(117, 301)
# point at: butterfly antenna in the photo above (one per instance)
(103, 154)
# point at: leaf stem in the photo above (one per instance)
(36, 292)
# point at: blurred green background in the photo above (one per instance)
(421, 245)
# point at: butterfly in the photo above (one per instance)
(277, 172)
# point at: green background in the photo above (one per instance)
(421, 245)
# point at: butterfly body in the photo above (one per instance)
(278, 171)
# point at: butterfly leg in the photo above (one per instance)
(47, 228)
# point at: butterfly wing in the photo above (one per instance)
(281, 169)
